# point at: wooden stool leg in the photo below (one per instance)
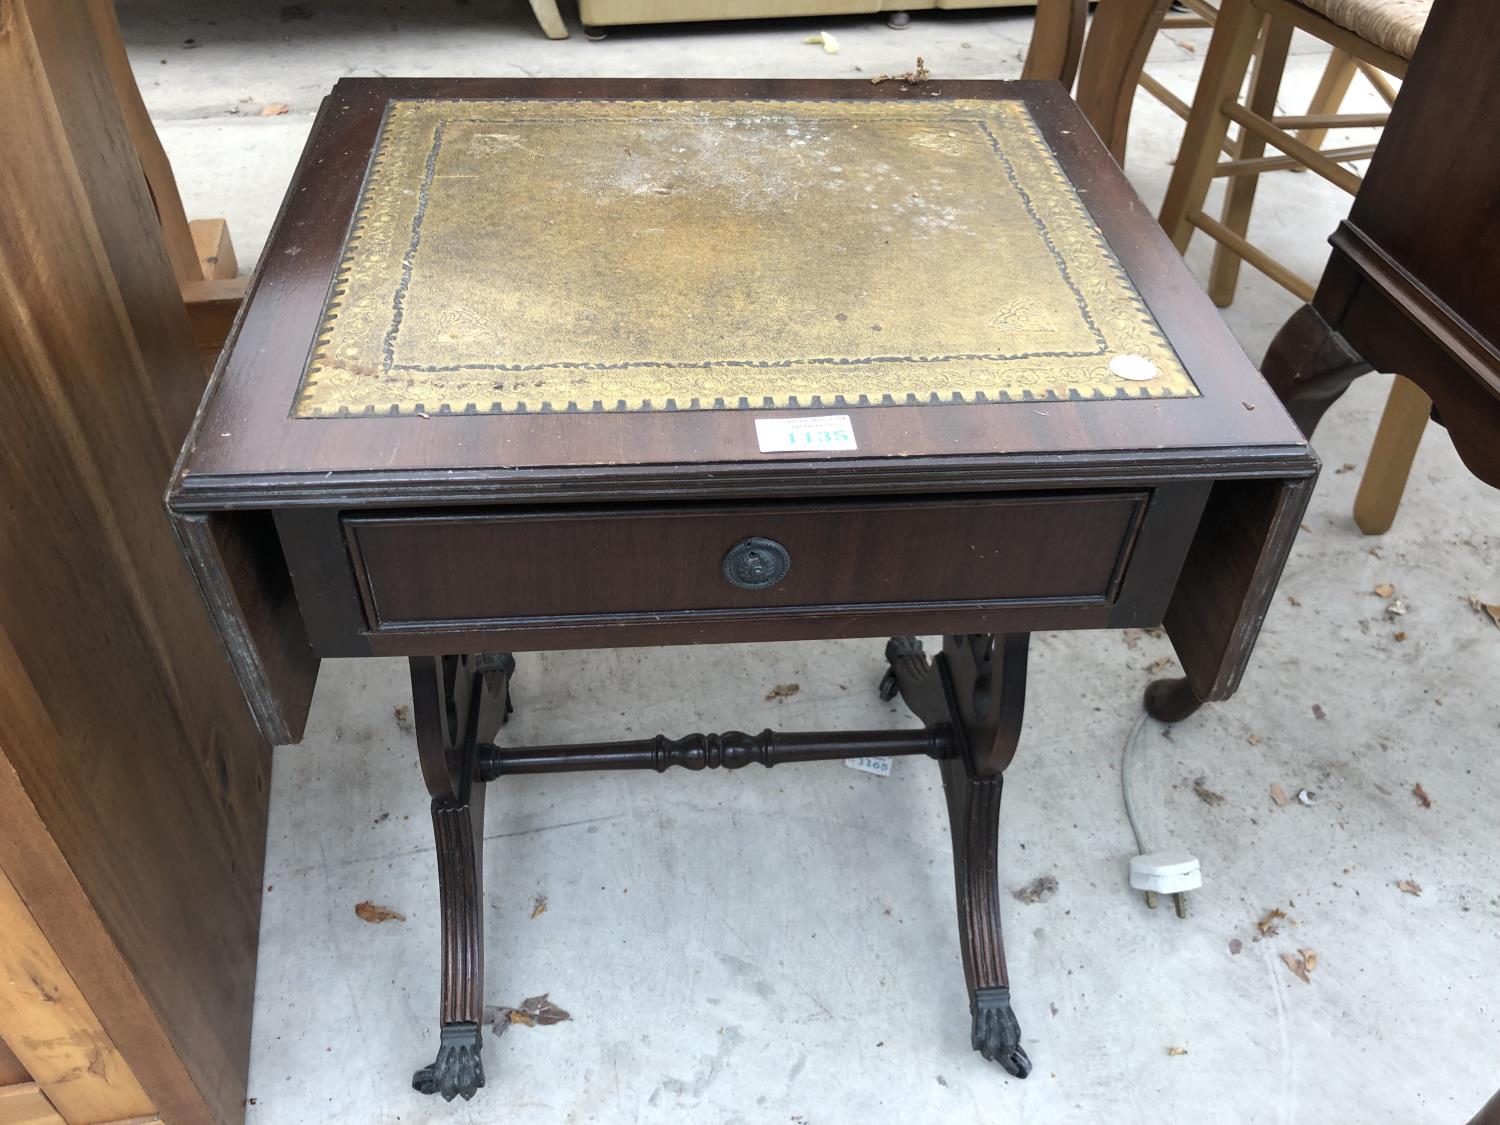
(1391, 455)
(549, 19)
(458, 703)
(1329, 96)
(1239, 196)
(1224, 70)
(1056, 41)
(1113, 58)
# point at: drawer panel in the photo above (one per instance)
(435, 570)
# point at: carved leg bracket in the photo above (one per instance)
(970, 699)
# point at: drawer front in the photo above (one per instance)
(506, 566)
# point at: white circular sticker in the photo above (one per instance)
(1136, 368)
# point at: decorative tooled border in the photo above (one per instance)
(1135, 333)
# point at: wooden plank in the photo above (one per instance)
(52, 1028)
(177, 235)
(212, 306)
(12, 1073)
(132, 777)
(215, 249)
(1230, 577)
(241, 573)
(27, 1105)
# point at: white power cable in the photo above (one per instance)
(1170, 872)
(1127, 761)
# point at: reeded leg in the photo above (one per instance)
(982, 681)
(458, 702)
(987, 682)
(1309, 365)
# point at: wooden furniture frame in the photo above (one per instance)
(132, 780)
(1238, 28)
(416, 533)
(1115, 64)
(1406, 288)
(1215, 107)
(1246, 153)
(200, 250)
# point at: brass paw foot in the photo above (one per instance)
(459, 1069)
(996, 1034)
(915, 678)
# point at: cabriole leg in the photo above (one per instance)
(458, 703)
(1309, 365)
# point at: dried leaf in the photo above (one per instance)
(1235, 945)
(782, 691)
(1421, 795)
(1298, 966)
(543, 1011)
(1159, 663)
(1309, 958)
(274, 109)
(1039, 889)
(1385, 589)
(1253, 740)
(1205, 794)
(538, 906)
(370, 912)
(1401, 636)
(1175, 1051)
(1278, 794)
(1493, 611)
(921, 74)
(1267, 925)
(535, 1010)
(1410, 887)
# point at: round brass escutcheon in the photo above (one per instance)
(756, 564)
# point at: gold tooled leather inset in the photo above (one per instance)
(528, 254)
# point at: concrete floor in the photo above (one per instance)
(774, 947)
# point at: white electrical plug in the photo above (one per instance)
(1168, 873)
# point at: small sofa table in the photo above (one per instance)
(549, 364)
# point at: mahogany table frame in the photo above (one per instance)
(270, 509)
